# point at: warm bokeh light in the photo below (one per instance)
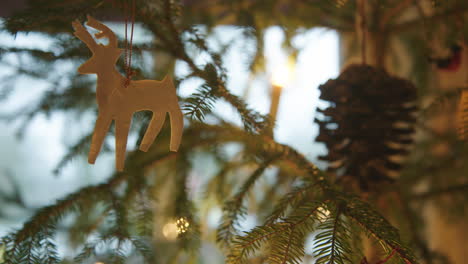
(174, 228)
(283, 74)
(182, 225)
(170, 231)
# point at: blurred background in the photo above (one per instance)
(296, 58)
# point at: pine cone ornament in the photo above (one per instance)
(368, 125)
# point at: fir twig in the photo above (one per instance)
(234, 209)
(332, 244)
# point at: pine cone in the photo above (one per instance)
(369, 123)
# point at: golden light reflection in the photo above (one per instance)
(323, 213)
(283, 74)
(182, 225)
(170, 231)
(173, 229)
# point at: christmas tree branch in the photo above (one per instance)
(234, 209)
(374, 224)
(332, 243)
(243, 246)
(213, 74)
(44, 221)
(291, 200)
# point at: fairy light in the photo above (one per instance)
(182, 225)
(173, 229)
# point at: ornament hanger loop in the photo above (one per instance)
(129, 44)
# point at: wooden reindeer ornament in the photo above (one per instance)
(118, 100)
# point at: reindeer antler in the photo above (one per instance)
(105, 31)
(83, 35)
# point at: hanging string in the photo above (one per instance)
(129, 44)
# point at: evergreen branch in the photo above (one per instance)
(85, 225)
(89, 249)
(290, 248)
(354, 208)
(371, 221)
(331, 245)
(189, 240)
(144, 215)
(120, 223)
(22, 243)
(143, 246)
(212, 74)
(200, 103)
(217, 183)
(243, 246)
(73, 151)
(287, 246)
(36, 53)
(266, 146)
(234, 209)
(291, 200)
(286, 250)
(53, 16)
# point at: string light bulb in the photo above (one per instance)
(182, 225)
(173, 229)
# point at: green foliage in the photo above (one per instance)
(332, 243)
(285, 237)
(377, 226)
(234, 210)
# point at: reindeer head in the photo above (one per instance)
(104, 56)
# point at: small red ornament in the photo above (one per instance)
(451, 63)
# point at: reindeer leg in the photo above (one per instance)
(100, 130)
(177, 125)
(122, 126)
(153, 129)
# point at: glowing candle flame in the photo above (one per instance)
(282, 74)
